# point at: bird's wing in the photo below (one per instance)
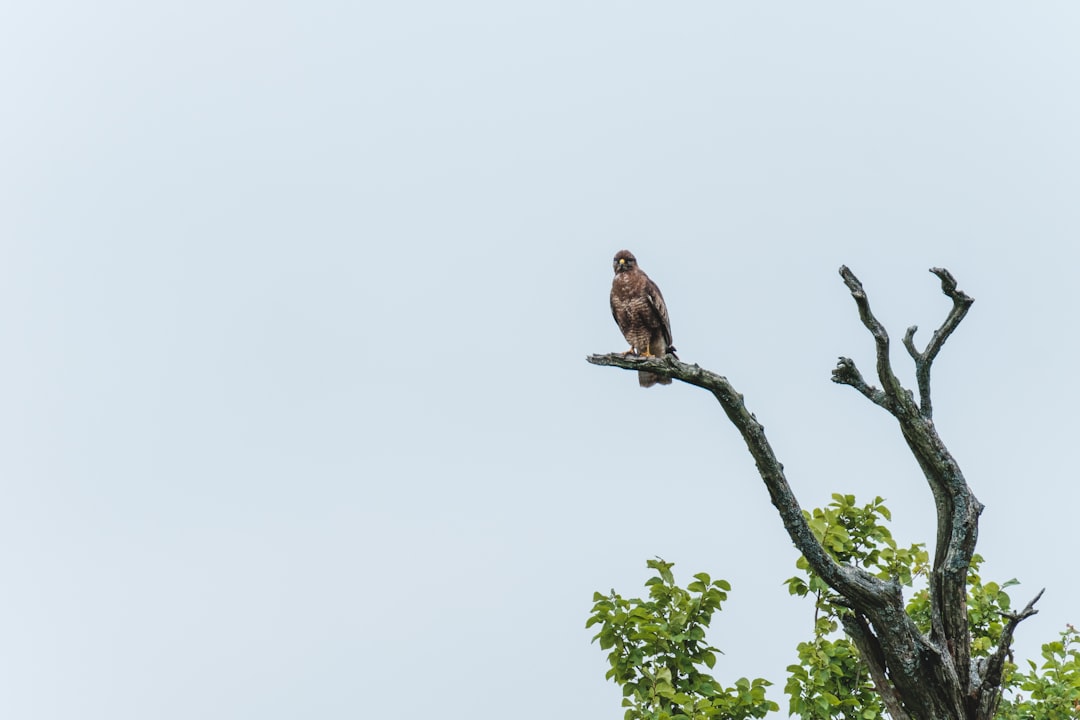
(656, 300)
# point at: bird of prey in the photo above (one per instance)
(640, 313)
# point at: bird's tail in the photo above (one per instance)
(648, 379)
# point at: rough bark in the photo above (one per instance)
(929, 677)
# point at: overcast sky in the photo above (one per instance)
(295, 420)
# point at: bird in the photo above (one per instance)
(640, 312)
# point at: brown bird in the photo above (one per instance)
(640, 312)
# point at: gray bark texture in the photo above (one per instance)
(919, 676)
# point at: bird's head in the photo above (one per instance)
(624, 261)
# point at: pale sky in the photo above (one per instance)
(295, 301)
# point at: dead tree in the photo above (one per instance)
(919, 676)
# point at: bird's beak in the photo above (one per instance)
(622, 261)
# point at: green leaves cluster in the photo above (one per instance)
(658, 652)
(987, 605)
(856, 535)
(830, 680)
(1050, 691)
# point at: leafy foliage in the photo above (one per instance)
(658, 651)
(830, 680)
(657, 647)
(987, 604)
(1052, 689)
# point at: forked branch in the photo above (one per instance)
(957, 508)
(996, 662)
(925, 359)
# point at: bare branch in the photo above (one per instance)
(924, 360)
(665, 365)
(996, 661)
(909, 342)
(893, 390)
(957, 509)
(845, 373)
(986, 685)
(961, 304)
(863, 589)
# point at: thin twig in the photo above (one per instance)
(996, 661)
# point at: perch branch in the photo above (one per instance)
(859, 586)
